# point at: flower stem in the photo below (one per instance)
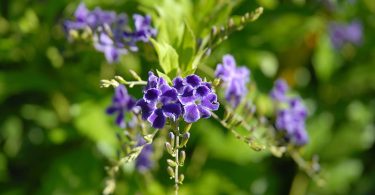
(176, 160)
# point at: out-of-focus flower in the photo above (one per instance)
(290, 119)
(143, 29)
(278, 92)
(342, 34)
(122, 102)
(144, 161)
(159, 102)
(234, 79)
(112, 34)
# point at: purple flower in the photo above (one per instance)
(122, 102)
(143, 29)
(196, 96)
(106, 45)
(292, 121)
(144, 161)
(159, 102)
(342, 34)
(234, 79)
(111, 32)
(278, 92)
(291, 114)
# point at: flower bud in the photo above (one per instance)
(185, 139)
(171, 139)
(171, 163)
(169, 148)
(181, 158)
(170, 172)
(181, 178)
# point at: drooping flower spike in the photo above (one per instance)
(234, 79)
(122, 102)
(144, 161)
(111, 33)
(290, 119)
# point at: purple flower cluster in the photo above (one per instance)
(342, 34)
(196, 97)
(290, 119)
(234, 79)
(189, 97)
(122, 102)
(112, 34)
(144, 161)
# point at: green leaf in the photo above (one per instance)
(325, 61)
(187, 47)
(168, 57)
(160, 74)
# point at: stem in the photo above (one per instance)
(176, 160)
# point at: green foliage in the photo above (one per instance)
(55, 137)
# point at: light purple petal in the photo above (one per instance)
(204, 112)
(187, 95)
(191, 113)
(210, 101)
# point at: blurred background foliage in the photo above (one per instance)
(56, 139)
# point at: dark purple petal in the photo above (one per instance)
(178, 84)
(171, 94)
(204, 112)
(191, 113)
(157, 119)
(152, 95)
(152, 81)
(120, 121)
(300, 137)
(193, 80)
(202, 90)
(207, 85)
(111, 110)
(146, 108)
(172, 110)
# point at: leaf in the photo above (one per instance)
(325, 61)
(160, 74)
(168, 57)
(187, 47)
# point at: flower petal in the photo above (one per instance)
(157, 119)
(178, 84)
(111, 110)
(187, 96)
(204, 112)
(172, 110)
(191, 113)
(202, 90)
(147, 108)
(120, 121)
(151, 95)
(193, 80)
(210, 101)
